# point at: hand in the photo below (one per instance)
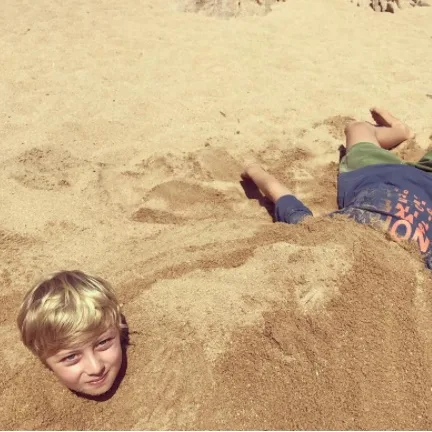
(250, 170)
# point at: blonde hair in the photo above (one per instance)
(66, 309)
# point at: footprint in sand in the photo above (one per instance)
(159, 177)
(47, 169)
(206, 164)
(175, 189)
(178, 202)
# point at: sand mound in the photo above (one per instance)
(258, 326)
(237, 322)
(227, 8)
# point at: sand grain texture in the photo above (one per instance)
(123, 130)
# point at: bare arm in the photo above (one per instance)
(266, 183)
(287, 207)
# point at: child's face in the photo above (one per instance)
(92, 367)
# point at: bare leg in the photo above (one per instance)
(266, 183)
(388, 132)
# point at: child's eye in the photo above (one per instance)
(104, 342)
(70, 358)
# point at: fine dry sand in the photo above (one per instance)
(123, 130)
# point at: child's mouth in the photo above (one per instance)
(99, 381)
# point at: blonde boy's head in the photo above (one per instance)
(67, 309)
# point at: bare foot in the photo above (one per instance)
(384, 118)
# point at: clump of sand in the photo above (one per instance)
(226, 8)
(390, 5)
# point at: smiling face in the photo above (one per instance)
(92, 367)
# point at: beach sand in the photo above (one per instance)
(124, 127)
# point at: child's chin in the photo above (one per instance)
(97, 391)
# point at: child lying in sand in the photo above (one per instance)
(374, 184)
(72, 322)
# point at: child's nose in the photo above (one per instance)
(93, 365)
